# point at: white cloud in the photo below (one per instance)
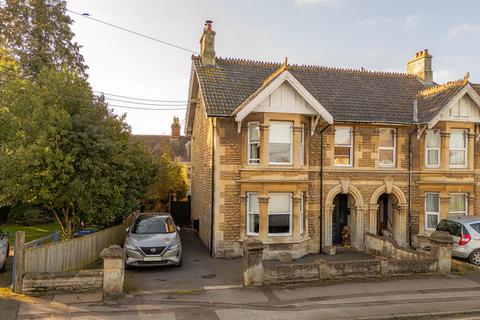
(413, 21)
(312, 2)
(462, 29)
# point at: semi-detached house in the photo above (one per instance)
(291, 154)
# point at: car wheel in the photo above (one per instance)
(475, 257)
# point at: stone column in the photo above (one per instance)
(113, 269)
(243, 215)
(297, 133)
(264, 130)
(327, 224)
(253, 262)
(471, 151)
(445, 152)
(402, 224)
(263, 228)
(373, 208)
(296, 215)
(441, 244)
(19, 261)
(359, 212)
(444, 205)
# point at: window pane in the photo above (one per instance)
(253, 213)
(279, 203)
(278, 223)
(254, 132)
(254, 223)
(386, 137)
(386, 157)
(433, 139)
(255, 152)
(432, 157)
(280, 132)
(343, 136)
(457, 157)
(432, 221)
(457, 139)
(457, 202)
(279, 152)
(253, 205)
(432, 202)
(476, 227)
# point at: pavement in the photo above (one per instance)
(420, 297)
(199, 270)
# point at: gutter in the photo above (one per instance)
(321, 186)
(212, 214)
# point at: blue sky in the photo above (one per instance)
(374, 34)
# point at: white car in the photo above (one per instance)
(4, 249)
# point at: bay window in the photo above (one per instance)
(432, 148)
(458, 204)
(253, 151)
(253, 214)
(386, 147)
(343, 147)
(280, 214)
(432, 210)
(280, 142)
(458, 148)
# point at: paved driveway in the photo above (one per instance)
(199, 270)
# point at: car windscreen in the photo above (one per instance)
(153, 224)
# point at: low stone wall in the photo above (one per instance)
(288, 273)
(380, 246)
(63, 282)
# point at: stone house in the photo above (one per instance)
(293, 154)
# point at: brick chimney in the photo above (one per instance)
(421, 66)
(207, 45)
(175, 128)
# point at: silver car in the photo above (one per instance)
(465, 231)
(4, 249)
(153, 240)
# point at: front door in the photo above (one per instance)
(384, 217)
(340, 217)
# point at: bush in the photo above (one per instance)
(23, 214)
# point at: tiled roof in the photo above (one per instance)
(158, 145)
(430, 101)
(349, 95)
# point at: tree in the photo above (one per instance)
(61, 148)
(170, 179)
(38, 34)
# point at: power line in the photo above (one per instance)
(86, 15)
(149, 109)
(140, 99)
(147, 104)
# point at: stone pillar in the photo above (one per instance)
(327, 224)
(471, 151)
(113, 269)
(19, 261)
(253, 262)
(263, 219)
(402, 224)
(297, 138)
(373, 208)
(296, 215)
(359, 211)
(445, 156)
(444, 205)
(441, 244)
(264, 131)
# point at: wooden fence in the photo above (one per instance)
(74, 254)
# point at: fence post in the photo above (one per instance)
(19, 261)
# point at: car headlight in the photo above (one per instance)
(130, 246)
(175, 245)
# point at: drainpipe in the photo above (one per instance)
(212, 217)
(321, 186)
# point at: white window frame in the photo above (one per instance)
(351, 147)
(459, 213)
(465, 150)
(251, 161)
(277, 213)
(302, 213)
(427, 149)
(291, 146)
(431, 213)
(394, 148)
(249, 233)
(302, 146)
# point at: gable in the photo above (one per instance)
(465, 109)
(285, 99)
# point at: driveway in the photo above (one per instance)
(199, 270)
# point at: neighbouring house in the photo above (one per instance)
(292, 154)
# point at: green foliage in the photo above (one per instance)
(22, 214)
(31, 232)
(62, 149)
(171, 178)
(38, 34)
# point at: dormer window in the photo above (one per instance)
(253, 143)
(280, 142)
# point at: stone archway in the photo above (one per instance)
(400, 211)
(356, 213)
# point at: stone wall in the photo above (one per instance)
(63, 282)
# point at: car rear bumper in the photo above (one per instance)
(169, 257)
(462, 252)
